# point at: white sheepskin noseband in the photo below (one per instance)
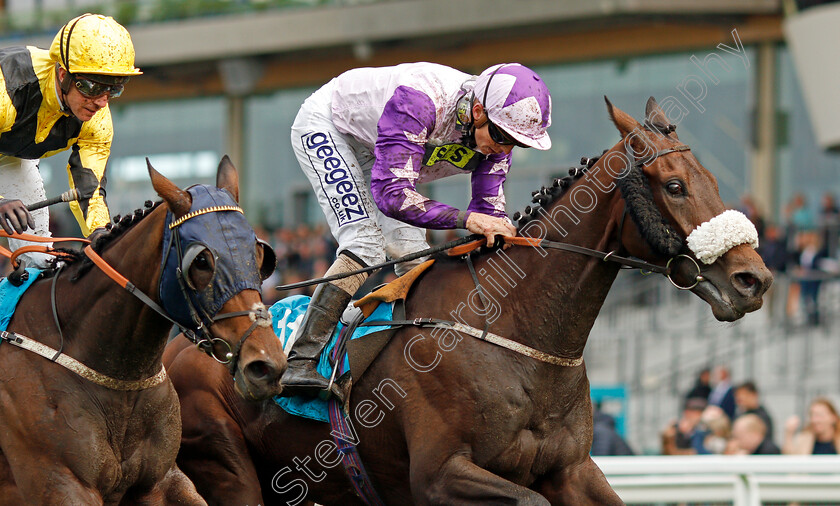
(712, 239)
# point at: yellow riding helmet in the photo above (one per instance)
(94, 44)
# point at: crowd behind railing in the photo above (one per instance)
(720, 418)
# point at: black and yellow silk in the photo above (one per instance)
(33, 126)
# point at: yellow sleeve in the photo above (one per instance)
(86, 170)
(8, 113)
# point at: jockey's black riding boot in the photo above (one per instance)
(302, 378)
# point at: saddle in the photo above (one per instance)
(362, 352)
(354, 345)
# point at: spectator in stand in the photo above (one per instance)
(302, 253)
(820, 436)
(812, 267)
(677, 436)
(829, 222)
(712, 432)
(750, 437)
(797, 215)
(702, 388)
(750, 210)
(722, 392)
(605, 439)
(747, 401)
(773, 249)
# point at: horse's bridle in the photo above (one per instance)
(201, 335)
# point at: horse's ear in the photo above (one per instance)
(656, 119)
(623, 121)
(179, 201)
(227, 177)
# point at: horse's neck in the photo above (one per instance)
(567, 289)
(114, 332)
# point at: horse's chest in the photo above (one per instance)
(530, 454)
(138, 446)
(531, 440)
(110, 441)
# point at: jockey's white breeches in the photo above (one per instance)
(21, 179)
(338, 168)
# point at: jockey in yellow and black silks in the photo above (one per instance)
(54, 100)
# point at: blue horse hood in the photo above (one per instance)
(228, 235)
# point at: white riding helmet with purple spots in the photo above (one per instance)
(517, 101)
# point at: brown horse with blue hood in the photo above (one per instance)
(88, 414)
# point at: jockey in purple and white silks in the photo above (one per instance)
(366, 140)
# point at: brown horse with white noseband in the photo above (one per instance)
(440, 417)
(87, 412)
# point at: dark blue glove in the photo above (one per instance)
(14, 217)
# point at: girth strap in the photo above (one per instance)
(79, 368)
(483, 335)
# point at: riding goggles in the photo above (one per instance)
(93, 89)
(501, 137)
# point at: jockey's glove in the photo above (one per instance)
(14, 217)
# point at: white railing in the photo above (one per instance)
(741, 480)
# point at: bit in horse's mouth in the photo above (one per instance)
(718, 300)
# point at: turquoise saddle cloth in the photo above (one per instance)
(11, 294)
(286, 316)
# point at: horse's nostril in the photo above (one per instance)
(748, 283)
(260, 370)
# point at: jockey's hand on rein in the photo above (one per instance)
(14, 217)
(489, 226)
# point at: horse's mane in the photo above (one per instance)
(548, 194)
(118, 226)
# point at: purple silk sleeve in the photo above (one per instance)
(407, 120)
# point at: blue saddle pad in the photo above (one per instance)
(286, 317)
(11, 294)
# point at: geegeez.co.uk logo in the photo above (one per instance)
(336, 181)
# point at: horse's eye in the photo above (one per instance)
(675, 188)
(202, 261)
